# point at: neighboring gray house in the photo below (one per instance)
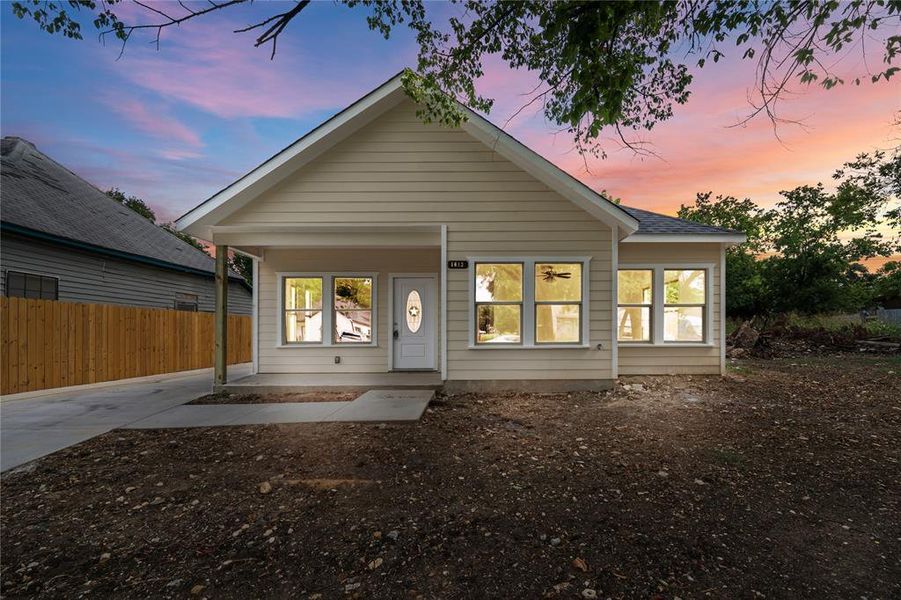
(64, 239)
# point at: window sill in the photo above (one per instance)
(324, 345)
(533, 347)
(665, 345)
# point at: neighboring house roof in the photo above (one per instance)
(202, 218)
(43, 199)
(654, 224)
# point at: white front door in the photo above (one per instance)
(414, 323)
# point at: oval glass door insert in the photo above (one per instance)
(414, 311)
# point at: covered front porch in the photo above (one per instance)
(269, 383)
(350, 307)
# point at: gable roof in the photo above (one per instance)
(655, 224)
(200, 220)
(43, 199)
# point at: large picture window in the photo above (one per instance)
(529, 302)
(635, 295)
(328, 308)
(498, 299)
(663, 304)
(353, 310)
(558, 303)
(303, 309)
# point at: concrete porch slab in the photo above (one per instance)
(373, 406)
(282, 383)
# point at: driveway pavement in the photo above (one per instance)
(37, 426)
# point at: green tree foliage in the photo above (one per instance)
(814, 241)
(887, 285)
(132, 202)
(243, 265)
(603, 66)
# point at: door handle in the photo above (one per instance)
(396, 334)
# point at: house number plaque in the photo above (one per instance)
(458, 264)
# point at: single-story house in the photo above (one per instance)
(459, 256)
(61, 238)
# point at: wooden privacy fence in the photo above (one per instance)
(48, 344)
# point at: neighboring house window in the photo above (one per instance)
(558, 303)
(685, 294)
(187, 302)
(635, 295)
(498, 303)
(662, 304)
(303, 310)
(353, 309)
(28, 285)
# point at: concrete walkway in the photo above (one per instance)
(374, 405)
(40, 423)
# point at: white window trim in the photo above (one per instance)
(328, 310)
(527, 335)
(658, 302)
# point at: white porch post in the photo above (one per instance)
(443, 304)
(255, 322)
(221, 316)
(614, 288)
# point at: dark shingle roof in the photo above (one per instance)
(41, 195)
(653, 223)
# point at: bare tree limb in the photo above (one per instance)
(279, 22)
(128, 30)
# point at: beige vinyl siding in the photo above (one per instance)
(635, 359)
(397, 170)
(321, 359)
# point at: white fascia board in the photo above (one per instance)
(199, 220)
(691, 238)
(548, 173)
(364, 239)
(326, 228)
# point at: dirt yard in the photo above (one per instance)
(781, 480)
(226, 398)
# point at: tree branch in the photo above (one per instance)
(279, 22)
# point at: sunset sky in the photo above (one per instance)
(175, 125)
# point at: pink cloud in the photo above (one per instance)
(155, 122)
(702, 150)
(179, 154)
(205, 65)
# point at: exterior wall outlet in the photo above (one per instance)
(337, 360)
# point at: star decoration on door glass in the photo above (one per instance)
(414, 311)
